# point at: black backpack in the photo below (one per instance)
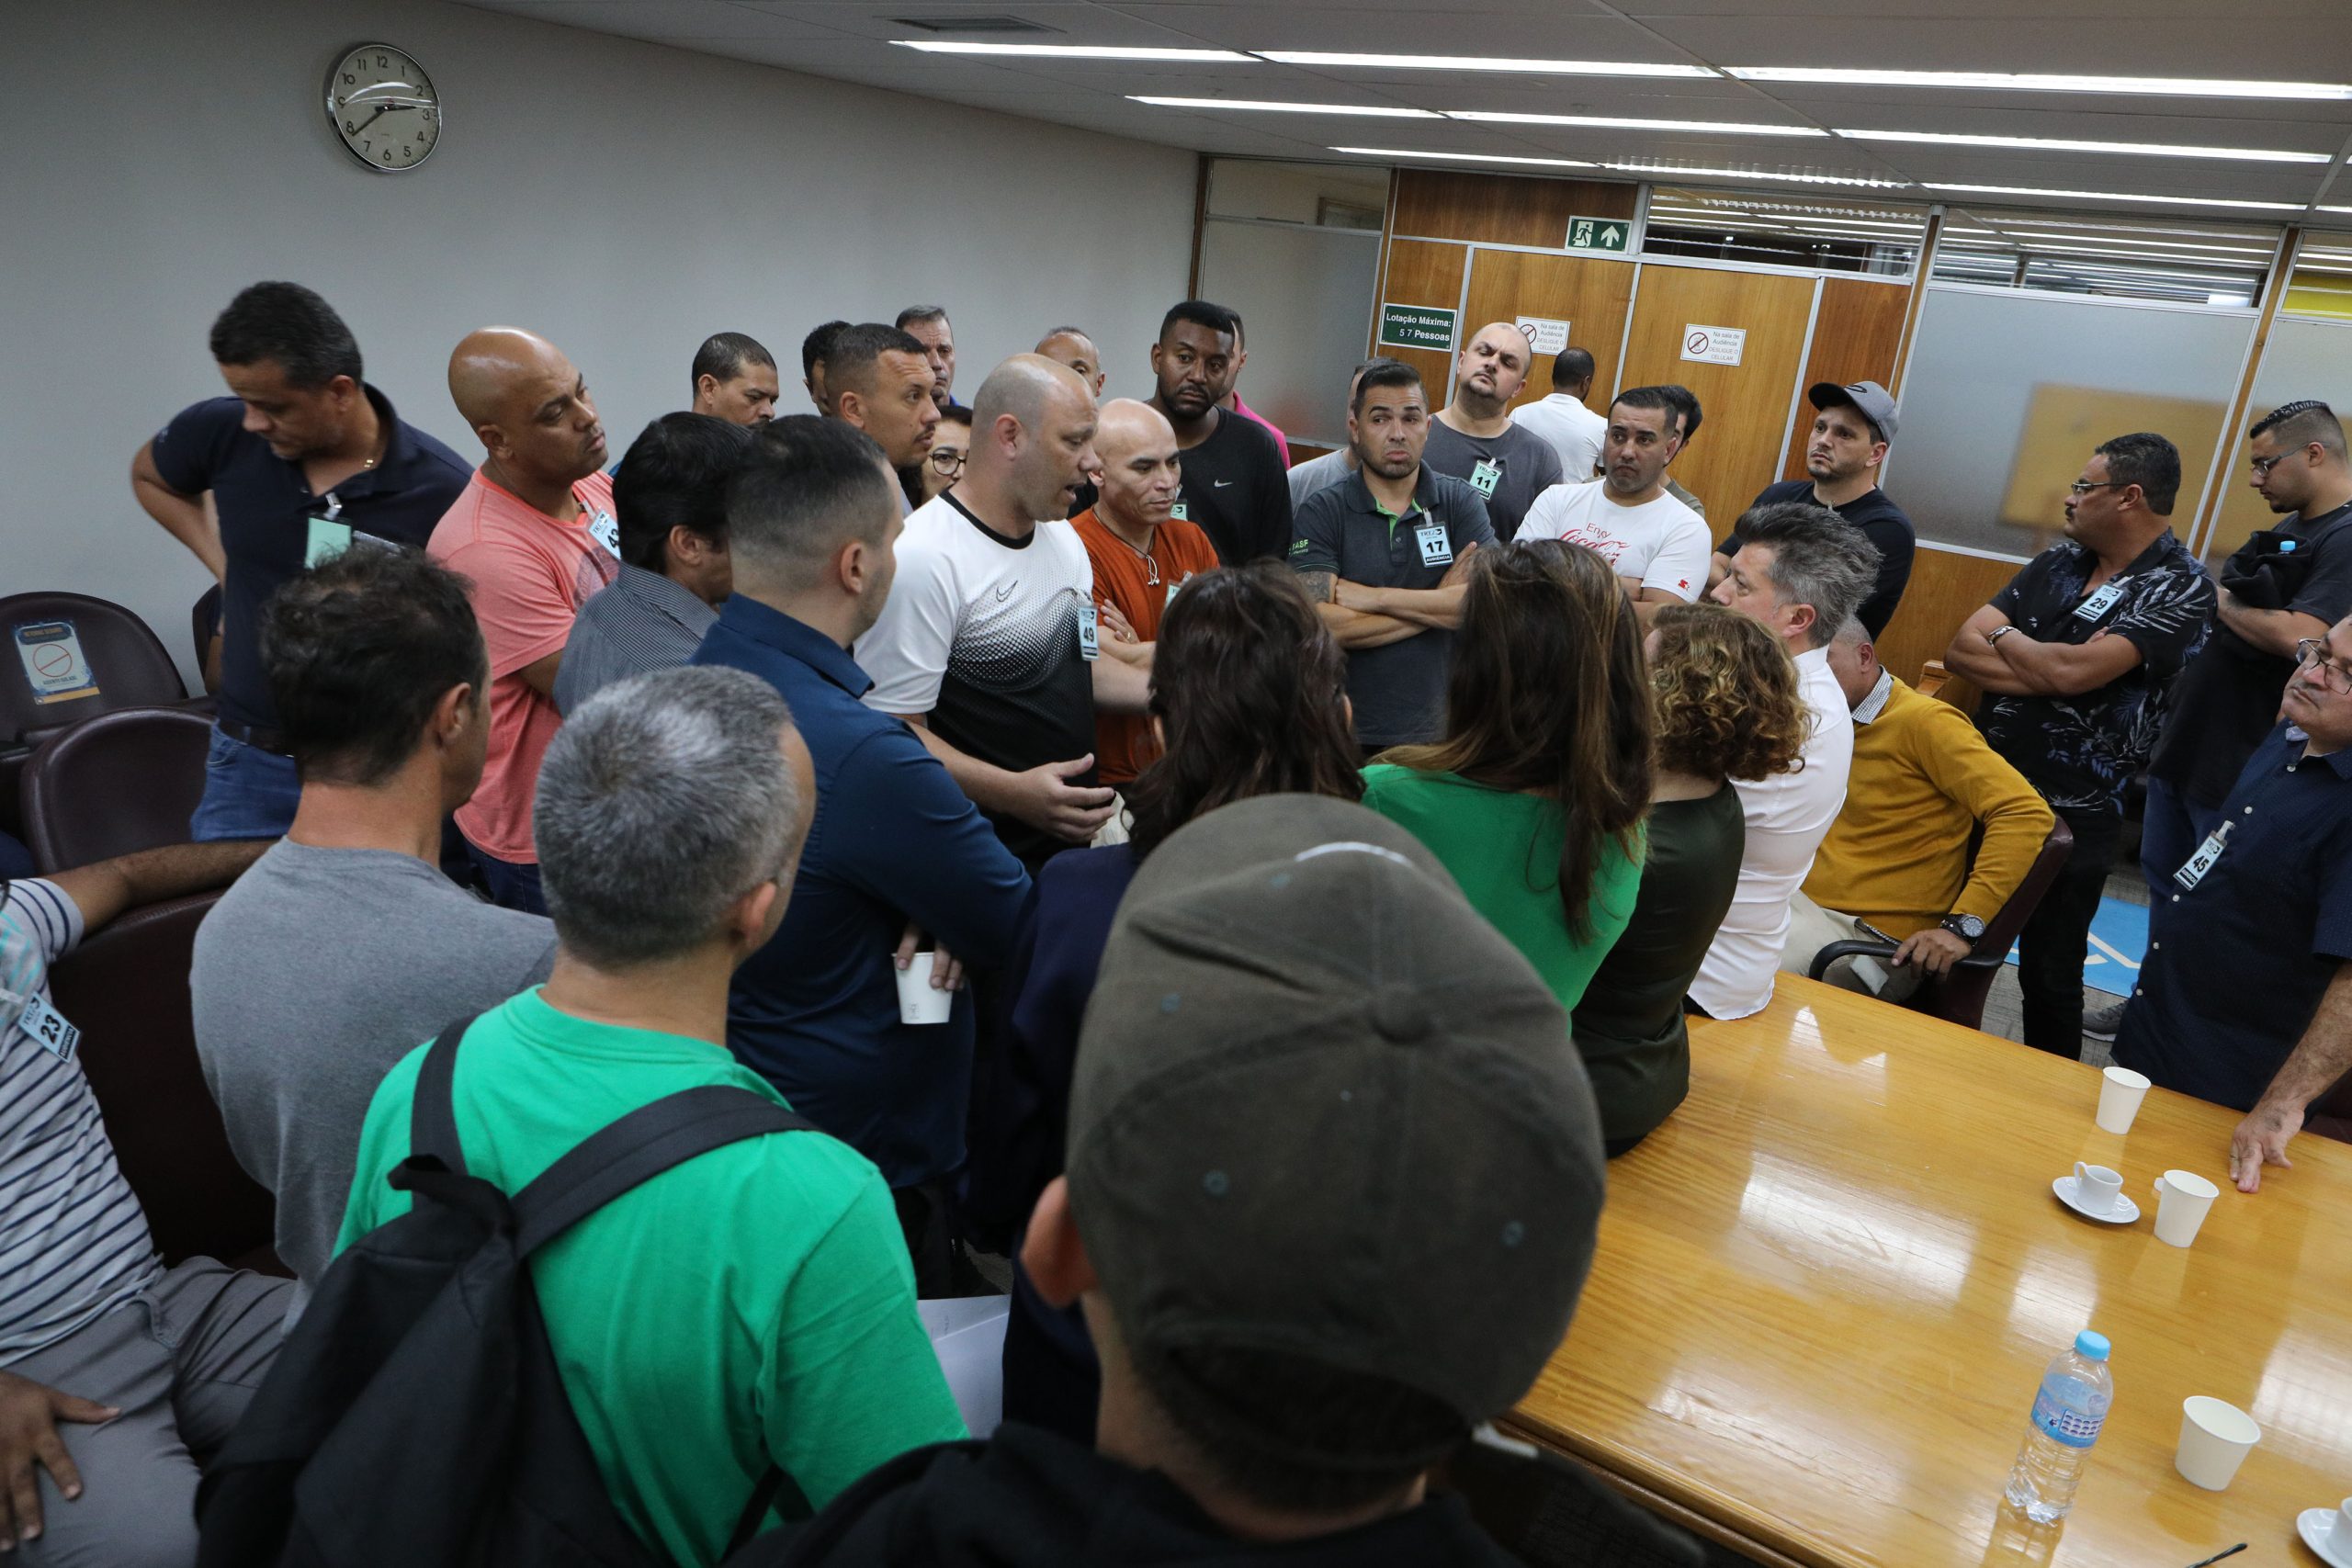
(415, 1414)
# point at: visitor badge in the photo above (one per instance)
(1178, 512)
(46, 1028)
(328, 539)
(2100, 602)
(1090, 632)
(1173, 585)
(1436, 549)
(606, 532)
(2191, 875)
(1486, 476)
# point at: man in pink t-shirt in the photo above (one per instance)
(534, 532)
(1231, 399)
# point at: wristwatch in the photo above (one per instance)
(1968, 927)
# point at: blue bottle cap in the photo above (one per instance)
(2091, 1345)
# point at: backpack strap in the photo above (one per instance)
(432, 1112)
(640, 1147)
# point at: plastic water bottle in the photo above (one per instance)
(2069, 1410)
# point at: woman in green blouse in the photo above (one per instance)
(1535, 798)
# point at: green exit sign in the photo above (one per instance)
(1415, 326)
(1613, 236)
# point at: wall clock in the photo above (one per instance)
(382, 107)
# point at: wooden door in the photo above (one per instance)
(1587, 293)
(1737, 452)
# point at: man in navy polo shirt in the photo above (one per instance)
(1382, 554)
(304, 460)
(896, 850)
(2245, 998)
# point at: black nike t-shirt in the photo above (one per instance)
(1236, 488)
(1881, 522)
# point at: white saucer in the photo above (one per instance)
(2317, 1528)
(2124, 1212)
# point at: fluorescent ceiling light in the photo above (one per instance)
(2111, 196)
(1504, 63)
(2055, 144)
(2335, 209)
(1468, 157)
(1070, 50)
(2229, 299)
(1681, 171)
(2080, 239)
(1723, 127)
(1383, 111)
(2152, 86)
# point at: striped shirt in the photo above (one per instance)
(641, 621)
(73, 1242)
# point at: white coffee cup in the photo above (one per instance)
(2183, 1198)
(918, 1002)
(2095, 1187)
(2339, 1528)
(2120, 1091)
(2215, 1437)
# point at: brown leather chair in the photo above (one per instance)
(126, 989)
(1959, 996)
(109, 785)
(128, 663)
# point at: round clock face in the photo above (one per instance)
(383, 107)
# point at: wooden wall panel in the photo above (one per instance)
(1855, 336)
(1501, 209)
(1418, 273)
(1945, 588)
(1589, 293)
(1738, 451)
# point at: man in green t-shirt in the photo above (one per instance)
(753, 1305)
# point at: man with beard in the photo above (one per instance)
(1234, 484)
(1657, 546)
(1383, 554)
(878, 380)
(534, 532)
(1473, 437)
(1851, 429)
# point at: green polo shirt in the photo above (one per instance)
(1503, 848)
(1398, 691)
(754, 1303)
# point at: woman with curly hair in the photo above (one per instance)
(1725, 707)
(1535, 797)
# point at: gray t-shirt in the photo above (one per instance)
(316, 972)
(1307, 477)
(1526, 465)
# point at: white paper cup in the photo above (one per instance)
(2095, 1187)
(2120, 1091)
(918, 1003)
(2183, 1198)
(2215, 1437)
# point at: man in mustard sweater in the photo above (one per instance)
(1896, 860)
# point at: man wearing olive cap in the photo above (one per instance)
(1334, 1178)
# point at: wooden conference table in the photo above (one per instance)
(1826, 1289)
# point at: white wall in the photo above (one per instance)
(624, 199)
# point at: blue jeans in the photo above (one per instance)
(2170, 829)
(514, 884)
(248, 793)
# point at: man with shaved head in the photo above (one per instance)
(1473, 437)
(989, 644)
(303, 457)
(1071, 348)
(1141, 554)
(534, 532)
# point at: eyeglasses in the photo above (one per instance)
(2261, 466)
(947, 461)
(2333, 674)
(2084, 486)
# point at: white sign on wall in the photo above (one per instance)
(1713, 345)
(1544, 334)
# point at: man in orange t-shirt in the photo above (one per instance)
(534, 532)
(1143, 549)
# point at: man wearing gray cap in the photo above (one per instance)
(1851, 429)
(1332, 1190)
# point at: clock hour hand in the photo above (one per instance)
(369, 120)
